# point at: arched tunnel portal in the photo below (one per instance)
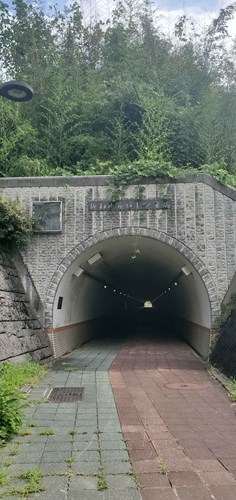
(110, 280)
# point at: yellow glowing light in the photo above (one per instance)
(148, 304)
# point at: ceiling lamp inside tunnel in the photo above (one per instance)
(148, 304)
(78, 272)
(185, 270)
(94, 259)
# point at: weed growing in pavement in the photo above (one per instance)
(72, 433)
(46, 432)
(4, 478)
(8, 463)
(13, 452)
(102, 482)
(34, 484)
(24, 432)
(69, 461)
(164, 467)
(134, 475)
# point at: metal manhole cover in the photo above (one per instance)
(66, 394)
(179, 386)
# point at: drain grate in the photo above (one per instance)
(66, 394)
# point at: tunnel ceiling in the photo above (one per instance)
(140, 266)
(145, 277)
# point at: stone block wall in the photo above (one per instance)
(21, 335)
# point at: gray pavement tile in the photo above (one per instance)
(83, 483)
(129, 494)
(59, 446)
(55, 484)
(112, 445)
(31, 447)
(111, 436)
(114, 455)
(86, 467)
(53, 469)
(56, 457)
(84, 437)
(86, 456)
(116, 467)
(87, 495)
(86, 445)
(28, 458)
(44, 496)
(120, 482)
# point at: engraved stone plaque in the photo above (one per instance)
(47, 216)
(126, 205)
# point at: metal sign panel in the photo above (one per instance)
(47, 216)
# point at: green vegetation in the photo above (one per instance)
(17, 375)
(16, 226)
(117, 96)
(232, 388)
(3, 477)
(102, 482)
(164, 467)
(46, 432)
(12, 401)
(34, 484)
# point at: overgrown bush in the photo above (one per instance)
(15, 226)
(13, 402)
(11, 412)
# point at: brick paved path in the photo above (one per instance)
(181, 440)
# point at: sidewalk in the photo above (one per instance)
(178, 422)
(178, 425)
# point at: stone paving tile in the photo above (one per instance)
(186, 427)
(160, 494)
(224, 492)
(83, 483)
(196, 493)
(154, 480)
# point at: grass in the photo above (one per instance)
(34, 484)
(231, 386)
(3, 477)
(14, 376)
(13, 452)
(164, 467)
(69, 461)
(46, 432)
(102, 482)
(24, 432)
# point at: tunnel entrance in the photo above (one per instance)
(133, 280)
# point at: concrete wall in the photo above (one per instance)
(21, 335)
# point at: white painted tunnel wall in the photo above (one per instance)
(86, 304)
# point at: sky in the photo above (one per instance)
(168, 11)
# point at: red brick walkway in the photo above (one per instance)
(181, 440)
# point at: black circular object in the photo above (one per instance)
(16, 91)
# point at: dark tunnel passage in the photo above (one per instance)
(131, 281)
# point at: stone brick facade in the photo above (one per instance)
(21, 335)
(200, 223)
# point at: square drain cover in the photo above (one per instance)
(66, 394)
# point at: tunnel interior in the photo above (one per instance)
(131, 281)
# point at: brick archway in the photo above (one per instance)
(114, 233)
